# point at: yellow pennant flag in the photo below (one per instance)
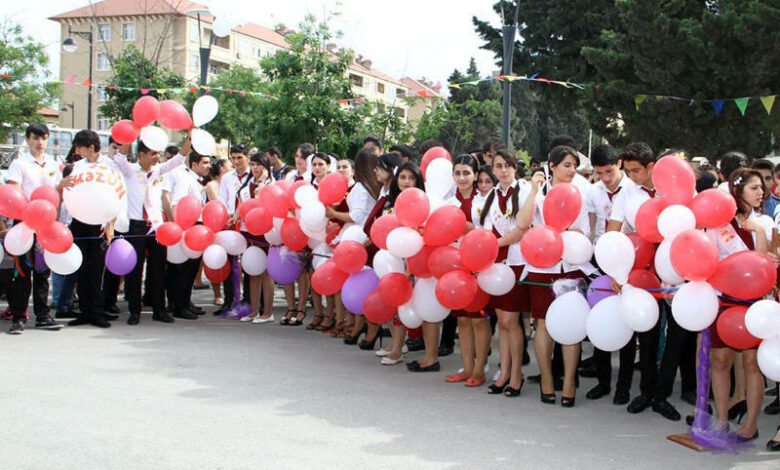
(638, 100)
(768, 102)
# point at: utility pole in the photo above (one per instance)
(508, 33)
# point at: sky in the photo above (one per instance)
(417, 38)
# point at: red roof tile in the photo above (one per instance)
(130, 8)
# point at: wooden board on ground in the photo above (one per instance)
(687, 441)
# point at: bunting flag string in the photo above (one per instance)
(767, 101)
(514, 78)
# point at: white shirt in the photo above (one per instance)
(229, 186)
(724, 186)
(625, 205)
(30, 174)
(188, 185)
(601, 204)
(360, 203)
(729, 242)
(504, 222)
(144, 188)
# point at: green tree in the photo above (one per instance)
(21, 98)
(133, 70)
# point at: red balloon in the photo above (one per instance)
(47, 193)
(285, 185)
(643, 279)
(332, 189)
(432, 154)
(562, 206)
(418, 264)
(714, 208)
(478, 250)
(291, 193)
(395, 289)
(443, 260)
(56, 238)
(381, 227)
(328, 278)
(292, 235)
(217, 275)
(145, 110)
(350, 256)
(542, 246)
(258, 221)
(198, 237)
(39, 214)
(481, 299)
(732, 330)
(169, 234)
(745, 275)
(675, 180)
(456, 289)
(644, 251)
(246, 206)
(646, 221)
(215, 215)
(694, 255)
(376, 310)
(187, 211)
(446, 224)
(174, 116)
(125, 131)
(412, 207)
(12, 201)
(274, 200)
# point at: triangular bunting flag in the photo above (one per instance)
(742, 104)
(70, 79)
(457, 86)
(161, 90)
(659, 97)
(86, 82)
(717, 105)
(193, 89)
(145, 91)
(638, 100)
(768, 102)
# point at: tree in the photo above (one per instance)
(133, 72)
(21, 98)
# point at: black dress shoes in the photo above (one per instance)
(134, 319)
(109, 317)
(667, 410)
(100, 322)
(435, 367)
(80, 320)
(195, 309)
(185, 315)
(621, 397)
(164, 317)
(597, 392)
(111, 309)
(445, 350)
(639, 404)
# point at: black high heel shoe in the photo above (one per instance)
(773, 445)
(354, 339)
(547, 398)
(367, 345)
(741, 438)
(495, 389)
(737, 411)
(510, 392)
(567, 402)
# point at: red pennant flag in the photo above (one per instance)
(111, 87)
(145, 91)
(5, 75)
(87, 82)
(423, 93)
(193, 89)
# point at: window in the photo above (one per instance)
(357, 80)
(103, 64)
(270, 52)
(128, 31)
(102, 93)
(257, 51)
(103, 123)
(400, 92)
(213, 69)
(195, 62)
(400, 112)
(104, 31)
(243, 47)
(193, 30)
(380, 88)
(217, 41)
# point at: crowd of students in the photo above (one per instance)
(495, 191)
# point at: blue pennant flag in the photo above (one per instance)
(717, 105)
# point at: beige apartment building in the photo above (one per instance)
(166, 31)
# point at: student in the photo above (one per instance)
(730, 162)
(766, 168)
(373, 143)
(278, 167)
(302, 171)
(406, 153)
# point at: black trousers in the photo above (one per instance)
(449, 329)
(181, 278)
(89, 277)
(679, 351)
(603, 363)
(648, 362)
(26, 280)
(155, 270)
(111, 284)
(227, 285)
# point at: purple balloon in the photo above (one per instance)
(121, 257)
(595, 293)
(356, 288)
(284, 265)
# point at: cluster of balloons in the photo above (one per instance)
(172, 115)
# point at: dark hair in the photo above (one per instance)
(492, 145)
(374, 139)
(762, 164)
(172, 149)
(777, 168)
(365, 162)
(322, 156)
(349, 161)
(239, 148)
(604, 155)
(429, 144)
(704, 180)
(737, 182)
(404, 150)
(638, 152)
(111, 140)
(389, 161)
(559, 153)
(194, 158)
(509, 157)
(262, 158)
(468, 160)
(142, 148)
(37, 128)
(395, 190)
(306, 150)
(730, 162)
(563, 139)
(216, 167)
(85, 138)
(67, 170)
(488, 170)
(510, 160)
(274, 151)
(72, 156)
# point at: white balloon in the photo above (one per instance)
(605, 328)
(498, 279)
(64, 263)
(404, 242)
(175, 254)
(2, 254)
(322, 253)
(762, 319)
(233, 242)
(277, 222)
(674, 220)
(768, 356)
(577, 248)
(313, 214)
(221, 27)
(306, 194)
(408, 316)
(386, 263)
(189, 252)
(615, 255)
(435, 201)
(215, 257)
(566, 318)
(254, 261)
(97, 196)
(19, 239)
(354, 233)
(638, 309)
(438, 177)
(425, 303)
(204, 110)
(695, 305)
(203, 142)
(273, 237)
(122, 224)
(663, 264)
(154, 138)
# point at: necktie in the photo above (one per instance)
(650, 192)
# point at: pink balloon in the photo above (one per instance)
(674, 179)
(174, 116)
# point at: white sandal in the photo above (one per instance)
(389, 361)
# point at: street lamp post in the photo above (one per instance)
(508, 33)
(72, 106)
(205, 52)
(70, 45)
